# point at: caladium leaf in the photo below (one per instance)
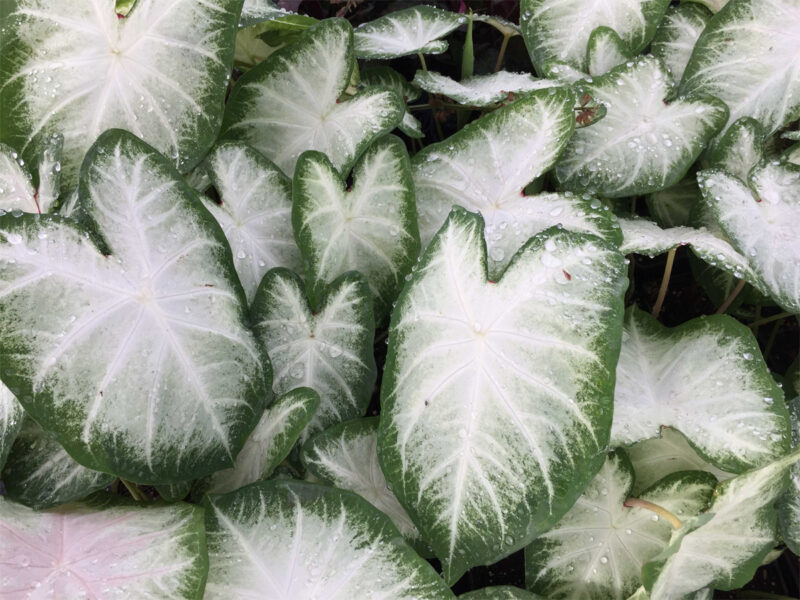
(496, 396)
(142, 363)
(789, 506)
(346, 456)
(504, 26)
(642, 144)
(11, 418)
(259, 11)
(723, 547)
(271, 441)
(596, 551)
(290, 539)
(75, 68)
(103, 547)
(560, 29)
(327, 348)
(604, 51)
(255, 212)
(761, 223)
(655, 458)
(707, 379)
(740, 149)
(16, 189)
(481, 90)
(677, 34)
(387, 77)
(739, 60)
(500, 592)
(39, 473)
(414, 30)
(370, 227)
(290, 102)
(672, 206)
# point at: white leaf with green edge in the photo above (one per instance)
(723, 547)
(346, 456)
(415, 30)
(255, 212)
(671, 207)
(290, 103)
(642, 144)
(740, 149)
(270, 442)
(39, 473)
(411, 126)
(259, 11)
(747, 57)
(141, 363)
(563, 73)
(286, 539)
(49, 171)
(791, 135)
(657, 457)
(481, 90)
(504, 26)
(677, 34)
(383, 76)
(596, 551)
(103, 548)
(604, 51)
(370, 227)
(16, 189)
(11, 418)
(559, 29)
(761, 223)
(327, 348)
(705, 378)
(496, 397)
(789, 506)
(75, 68)
(500, 592)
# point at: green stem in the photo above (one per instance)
(760, 322)
(502, 54)
(655, 508)
(729, 300)
(771, 341)
(418, 106)
(134, 491)
(422, 62)
(662, 291)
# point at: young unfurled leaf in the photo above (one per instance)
(75, 68)
(370, 227)
(740, 149)
(286, 539)
(789, 506)
(290, 102)
(596, 551)
(346, 456)
(604, 51)
(642, 144)
(481, 90)
(103, 547)
(500, 592)
(271, 441)
(677, 34)
(496, 397)
(327, 348)
(11, 418)
(672, 206)
(255, 212)
(747, 57)
(418, 29)
(142, 362)
(705, 378)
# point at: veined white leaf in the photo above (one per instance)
(290, 102)
(761, 222)
(383, 76)
(789, 506)
(16, 189)
(496, 397)
(562, 72)
(11, 418)
(418, 29)
(604, 51)
(481, 90)
(103, 548)
(504, 26)
(704, 594)
(791, 135)
(346, 456)
(286, 539)
(411, 126)
(655, 458)
(740, 149)
(642, 144)
(255, 212)
(370, 227)
(500, 592)
(270, 442)
(327, 348)
(671, 207)
(39, 473)
(722, 548)
(596, 551)
(560, 29)
(259, 11)
(49, 171)
(677, 34)
(748, 57)
(707, 379)
(75, 68)
(141, 363)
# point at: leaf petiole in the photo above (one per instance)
(655, 508)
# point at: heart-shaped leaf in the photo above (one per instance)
(642, 144)
(789, 507)
(596, 551)
(271, 441)
(103, 548)
(500, 592)
(11, 418)
(290, 102)
(75, 68)
(481, 90)
(255, 212)
(285, 539)
(707, 379)
(677, 34)
(370, 227)
(496, 397)
(327, 348)
(604, 51)
(141, 363)
(740, 149)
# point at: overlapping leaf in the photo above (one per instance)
(789, 507)
(672, 206)
(383, 76)
(11, 419)
(604, 51)
(480, 90)
(740, 149)
(500, 592)
(677, 34)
